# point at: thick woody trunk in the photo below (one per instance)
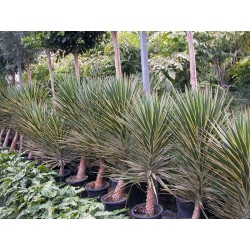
(61, 170)
(196, 213)
(99, 179)
(193, 76)
(13, 144)
(20, 72)
(150, 201)
(30, 155)
(21, 145)
(144, 62)
(76, 59)
(6, 140)
(118, 68)
(1, 137)
(47, 52)
(119, 191)
(220, 73)
(27, 64)
(81, 173)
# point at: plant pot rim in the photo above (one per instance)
(160, 208)
(106, 184)
(76, 181)
(121, 201)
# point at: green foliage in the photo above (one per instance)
(31, 192)
(190, 117)
(229, 158)
(241, 72)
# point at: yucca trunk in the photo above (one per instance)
(50, 71)
(81, 173)
(13, 144)
(197, 211)
(119, 191)
(118, 68)
(30, 154)
(77, 71)
(27, 64)
(61, 170)
(1, 137)
(193, 76)
(99, 179)
(150, 201)
(21, 144)
(6, 140)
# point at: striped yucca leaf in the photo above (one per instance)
(149, 151)
(229, 157)
(191, 116)
(46, 130)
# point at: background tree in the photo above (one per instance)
(118, 67)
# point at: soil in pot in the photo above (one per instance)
(63, 177)
(111, 205)
(96, 192)
(138, 212)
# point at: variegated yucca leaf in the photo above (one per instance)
(229, 158)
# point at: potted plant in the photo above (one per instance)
(149, 157)
(75, 101)
(229, 159)
(191, 123)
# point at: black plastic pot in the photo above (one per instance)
(94, 193)
(77, 183)
(158, 209)
(113, 183)
(92, 172)
(185, 208)
(113, 205)
(136, 194)
(63, 177)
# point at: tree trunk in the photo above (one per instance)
(119, 191)
(99, 179)
(21, 145)
(1, 137)
(220, 73)
(144, 62)
(27, 64)
(150, 201)
(47, 52)
(77, 71)
(13, 144)
(6, 140)
(118, 67)
(196, 213)
(81, 173)
(20, 72)
(13, 75)
(193, 76)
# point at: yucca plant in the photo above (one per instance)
(149, 152)
(229, 159)
(46, 131)
(77, 104)
(4, 116)
(16, 99)
(191, 116)
(114, 100)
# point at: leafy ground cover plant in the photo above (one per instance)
(31, 192)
